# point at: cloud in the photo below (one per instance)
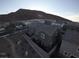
(73, 18)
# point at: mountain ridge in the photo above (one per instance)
(25, 14)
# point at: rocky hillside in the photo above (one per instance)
(24, 14)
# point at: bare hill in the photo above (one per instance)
(24, 14)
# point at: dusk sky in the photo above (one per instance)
(65, 8)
